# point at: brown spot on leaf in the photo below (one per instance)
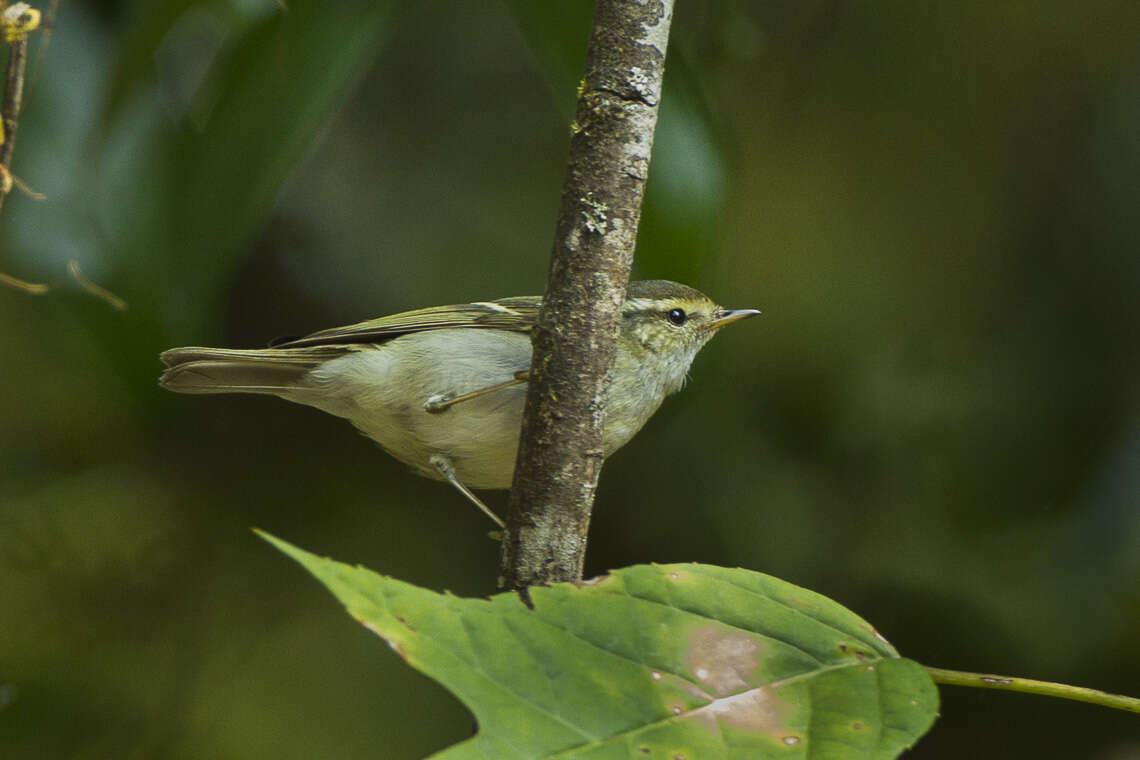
(726, 665)
(757, 710)
(724, 661)
(404, 622)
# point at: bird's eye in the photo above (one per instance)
(677, 316)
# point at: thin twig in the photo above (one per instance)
(34, 288)
(93, 288)
(13, 97)
(18, 20)
(23, 188)
(1030, 686)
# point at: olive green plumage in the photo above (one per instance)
(446, 384)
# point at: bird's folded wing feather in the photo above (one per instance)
(517, 314)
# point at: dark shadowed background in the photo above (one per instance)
(936, 421)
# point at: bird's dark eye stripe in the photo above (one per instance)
(677, 316)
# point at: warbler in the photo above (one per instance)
(442, 389)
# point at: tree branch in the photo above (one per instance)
(17, 21)
(560, 451)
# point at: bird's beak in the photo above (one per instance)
(728, 316)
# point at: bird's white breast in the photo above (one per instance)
(382, 390)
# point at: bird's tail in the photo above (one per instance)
(222, 370)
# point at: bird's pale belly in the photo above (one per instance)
(479, 437)
(383, 391)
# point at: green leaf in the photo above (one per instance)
(652, 661)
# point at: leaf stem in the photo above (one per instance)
(1030, 686)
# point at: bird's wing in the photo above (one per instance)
(518, 314)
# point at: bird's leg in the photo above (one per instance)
(441, 463)
(441, 403)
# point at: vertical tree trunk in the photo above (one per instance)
(560, 452)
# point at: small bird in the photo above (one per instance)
(442, 389)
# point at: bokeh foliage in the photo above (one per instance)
(936, 422)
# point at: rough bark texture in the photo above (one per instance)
(560, 454)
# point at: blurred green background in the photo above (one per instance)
(936, 421)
